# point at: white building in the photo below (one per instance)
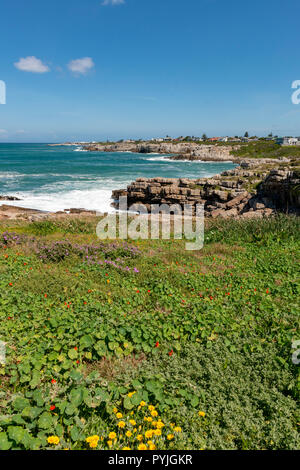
(291, 141)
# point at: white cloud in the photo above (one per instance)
(31, 64)
(81, 66)
(3, 131)
(113, 2)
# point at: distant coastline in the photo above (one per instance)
(178, 151)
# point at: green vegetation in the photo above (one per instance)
(95, 328)
(265, 149)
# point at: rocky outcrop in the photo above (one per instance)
(253, 189)
(183, 150)
(31, 215)
(9, 198)
(281, 190)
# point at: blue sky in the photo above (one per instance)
(95, 69)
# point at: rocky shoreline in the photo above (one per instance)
(256, 188)
(11, 212)
(180, 151)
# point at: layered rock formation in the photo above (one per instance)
(254, 189)
(184, 150)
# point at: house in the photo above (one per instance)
(288, 141)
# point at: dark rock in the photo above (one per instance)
(9, 198)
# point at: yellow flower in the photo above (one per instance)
(159, 424)
(93, 441)
(154, 413)
(128, 433)
(151, 445)
(151, 408)
(109, 443)
(143, 403)
(119, 415)
(149, 419)
(201, 413)
(154, 423)
(92, 438)
(112, 435)
(177, 429)
(142, 447)
(131, 394)
(121, 424)
(126, 448)
(139, 437)
(157, 432)
(93, 444)
(132, 422)
(170, 437)
(135, 430)
(115, 410)
(53, 440)
(148, 434)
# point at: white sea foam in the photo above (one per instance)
(99, 200)
(171, 160)
(10, 175)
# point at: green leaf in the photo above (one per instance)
(86, 341)
(75, 433)
(75, 375)
(194, 401)
(20, 403)
(16, 433)
(72, 353)
(4, 443)
(76, 396)
(45, 420)
(70, 409)
(128, 404)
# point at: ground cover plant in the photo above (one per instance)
(266, 149)
(143, 345)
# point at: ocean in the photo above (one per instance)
(58, 178)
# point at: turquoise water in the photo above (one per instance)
(58, 178)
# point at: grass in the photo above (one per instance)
(263, 149)
(203, 337)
